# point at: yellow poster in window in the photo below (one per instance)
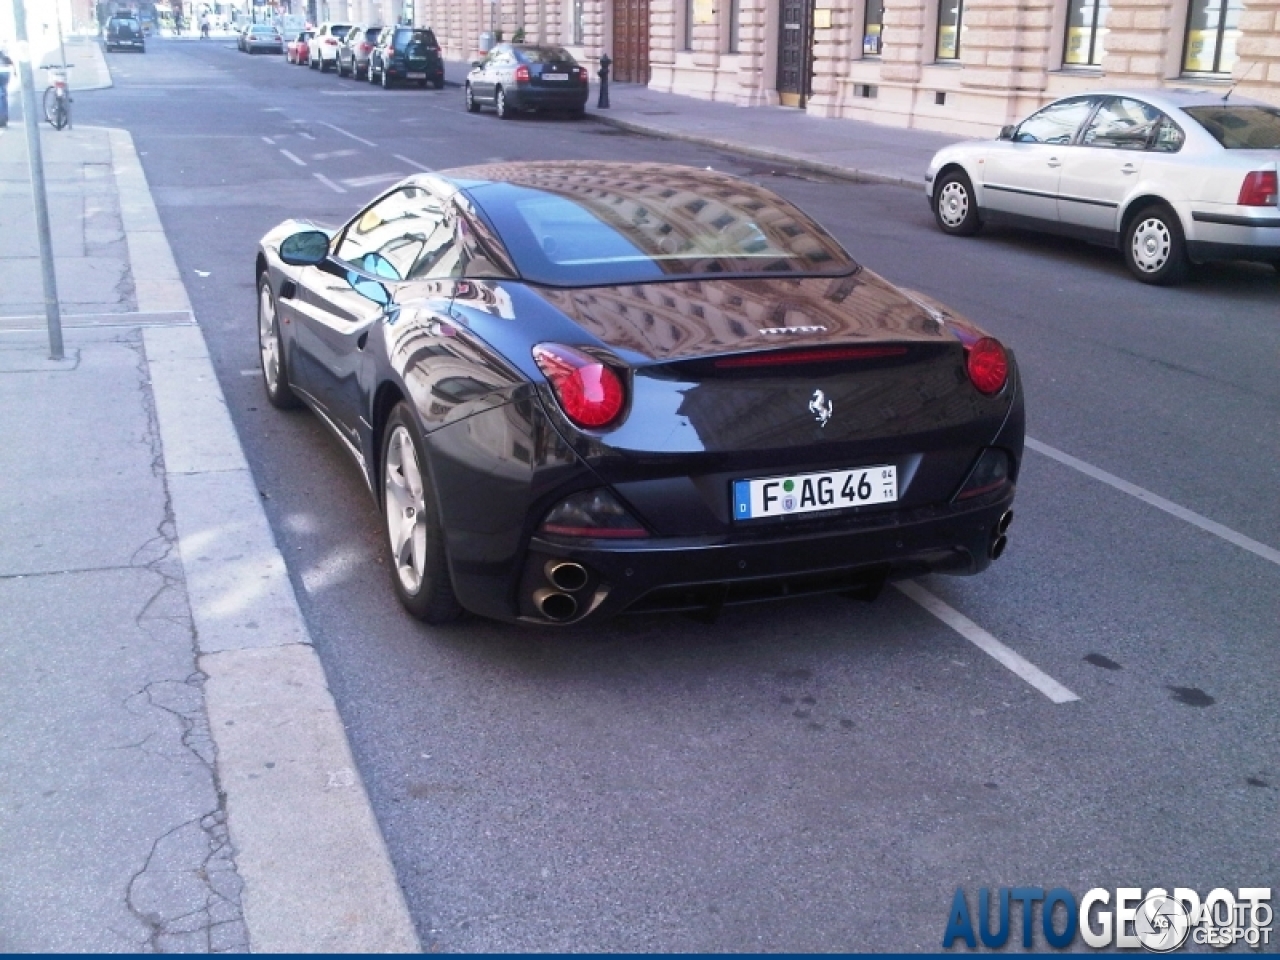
(1200, 50)
(1077, 54)
(946, 42)
(704, 11)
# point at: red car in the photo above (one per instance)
(298, 50)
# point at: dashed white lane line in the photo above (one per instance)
(296, 159)
(268, 140)
(329, 183)
(348, 133)
(988, 644)
(305, 135)
(412, 163)
(356, 182)
(1159, 502)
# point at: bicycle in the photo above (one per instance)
(57, 97)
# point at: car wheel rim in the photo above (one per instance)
(502, 104)
(1151, 244)
(268, 342)
(469, 96)
(953, 204)
(405, 505)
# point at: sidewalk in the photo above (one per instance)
(176, 775)
(851, 149)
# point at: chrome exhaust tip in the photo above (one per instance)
(567, 575)
(997, 546)
(1002, 527)
(556, 606)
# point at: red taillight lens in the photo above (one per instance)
(522, 74)
(788, 357)
(988, 366)
(590, 393)
(1259, 189)
(592, 513)
(989, 473)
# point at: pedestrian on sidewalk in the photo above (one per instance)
(6, 66)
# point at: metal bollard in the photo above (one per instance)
(603, 102)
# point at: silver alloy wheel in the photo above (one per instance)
(1152, 244)
(470, 98)
(953, 204)
(405, 509)
(268, 339)
(500, 103)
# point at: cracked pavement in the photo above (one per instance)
(112, 824)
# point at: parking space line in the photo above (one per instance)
(329, 183)
(412, 163)
(348, 133)
(1160, 503)
(988, 644)
(298, 160)
(268, 140)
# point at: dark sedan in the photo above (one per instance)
(578, 389)
(526, 76)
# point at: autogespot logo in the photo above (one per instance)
(1155, 920)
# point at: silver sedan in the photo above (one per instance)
(1170, 177)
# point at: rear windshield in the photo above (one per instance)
(372, 34)
(130, 24)
(580, 230)
(422, 37)
(340, 29)
(261, 28)
(544, 55)
(1240, 126)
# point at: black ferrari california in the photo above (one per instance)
(577, 389)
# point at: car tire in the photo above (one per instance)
(1154, 248)
(438, 84)
(500, 105)
(955, 208)
(386, 79)
(271, 353)
(577, 113)
(371, 75)
(470, 99)
(411, 517)
(313, 64)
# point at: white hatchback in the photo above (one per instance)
(1168, 176)
(323, 49)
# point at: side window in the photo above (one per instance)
(1123, 124)
(397, 235)
(1169, 137)
(1056, 123)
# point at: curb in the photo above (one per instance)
(316, 871)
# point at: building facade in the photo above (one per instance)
(960, 66)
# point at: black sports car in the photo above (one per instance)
(579, 388)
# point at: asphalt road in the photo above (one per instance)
(814, 776)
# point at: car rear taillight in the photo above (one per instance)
(592, 513)
(522, 74)
(990, 473)
(330, 42)
(988, 366)
(1259, 189)
(589, 392)
(783, 358)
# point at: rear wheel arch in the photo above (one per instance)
(1137, 205)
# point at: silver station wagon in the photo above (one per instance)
(1171, 177)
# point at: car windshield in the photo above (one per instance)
(125, 24)
(372, 34)
(571, 228)
(262, 29)
(340, 29)
(420, 38)
(1240, 126)
(544, 55)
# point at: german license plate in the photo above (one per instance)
(416, 76)
(814, 492)
(555, 76)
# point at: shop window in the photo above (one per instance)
(1213, 27)
(873, 29)
(950, 23)
(1086, 33)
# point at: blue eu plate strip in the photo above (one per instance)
(741, 500)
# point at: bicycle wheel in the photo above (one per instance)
(61, 114)
(50, 105)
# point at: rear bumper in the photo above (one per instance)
(1237, 233)
(571, 98)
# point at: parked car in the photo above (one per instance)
(1171, 177)
(297, 50)
(262, 37)
(124, 33)
(353, 52)
(406, 54)
(573, 392)
(323, 48)
(520, 76)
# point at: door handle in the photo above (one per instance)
(1054, 162)
(1128, 168)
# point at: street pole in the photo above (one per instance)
(35, 157)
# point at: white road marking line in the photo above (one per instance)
(303, 133)
(412, 163)
(268, 140)
(348, 133)
(329, 183)
(334, 153)
(988, 644)
(298, 160)
(370, 181)
(1160, 503)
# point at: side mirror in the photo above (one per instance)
(1006, 132)
(305, 249)
(476, 64)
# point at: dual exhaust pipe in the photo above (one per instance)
(567, 578)
(998, 540)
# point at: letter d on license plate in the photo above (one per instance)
(814, 492)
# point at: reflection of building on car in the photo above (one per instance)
(1170, 177)
(569, 389)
